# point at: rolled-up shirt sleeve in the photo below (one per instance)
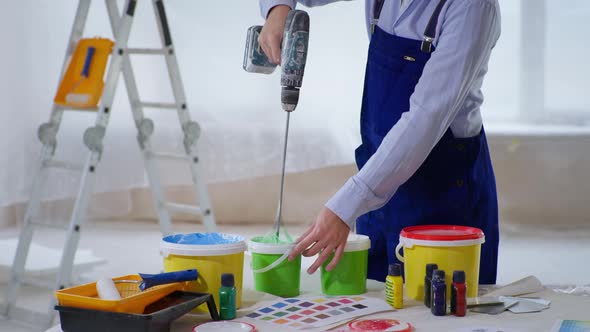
(469, 31)
(267, 5)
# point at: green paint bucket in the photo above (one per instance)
(273, 272)
(349, 277)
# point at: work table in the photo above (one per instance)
(563, 306)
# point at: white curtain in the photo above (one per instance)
(240, 112)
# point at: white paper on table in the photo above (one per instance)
(526, 304)
(523, 286)
(496, 309)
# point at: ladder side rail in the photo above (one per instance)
(93, 139)
(190, 128)
(47, 152)
(145, 128)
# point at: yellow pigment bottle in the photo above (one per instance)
(394, 287)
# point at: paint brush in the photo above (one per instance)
(107, 289)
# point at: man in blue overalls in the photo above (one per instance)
(424, 158)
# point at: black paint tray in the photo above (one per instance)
(157, 316)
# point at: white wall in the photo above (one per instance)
(14, 94)
(239, 112)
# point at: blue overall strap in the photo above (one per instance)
(430, 31)
(377, 7)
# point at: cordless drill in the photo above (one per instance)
(293, 57)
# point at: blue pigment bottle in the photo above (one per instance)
(438, 305)
(227, 297)
(428, 282)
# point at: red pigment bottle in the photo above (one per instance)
(458, 294)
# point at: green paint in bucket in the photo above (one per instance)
(349, 277)
(273, 272)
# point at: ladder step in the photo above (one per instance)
(191, 209)
(74, 108)
(48, 225)
(63, 165)
(158, 105)
(150, 51)
(172, 156)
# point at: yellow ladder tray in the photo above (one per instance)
(75, 83)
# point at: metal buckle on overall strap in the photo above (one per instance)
(427, 44)
(430, 31)
(374, 22)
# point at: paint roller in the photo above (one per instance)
(108, 290)
(74, 98)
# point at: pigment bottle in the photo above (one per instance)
(459, 294)
(428, 282)
(227, 297)
(394, 287)
(438, 305)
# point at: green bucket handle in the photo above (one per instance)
(274, 264)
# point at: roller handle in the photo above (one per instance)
(151, 280)
(88, 61)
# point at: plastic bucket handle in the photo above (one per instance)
(274, 264)
(409, 243)
(397, 253)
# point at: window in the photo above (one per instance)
(539, 72)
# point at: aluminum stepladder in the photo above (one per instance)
(93, 137)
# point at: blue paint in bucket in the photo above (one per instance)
(212, 254)
(203, 238)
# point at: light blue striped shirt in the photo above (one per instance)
(447, 95)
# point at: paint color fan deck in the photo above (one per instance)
(313, 312)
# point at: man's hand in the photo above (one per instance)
(326, 235)
(271, 36)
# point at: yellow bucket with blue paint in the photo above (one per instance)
(212, 254)
(452, 248)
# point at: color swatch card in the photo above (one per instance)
(313, 312)
(571, 326)
(487, 329)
